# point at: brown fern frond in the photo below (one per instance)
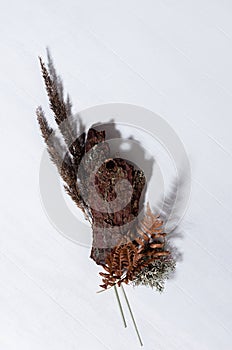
(130, 257)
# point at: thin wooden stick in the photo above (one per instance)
(120, 306)
(132, 316)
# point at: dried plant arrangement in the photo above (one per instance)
(128, 241)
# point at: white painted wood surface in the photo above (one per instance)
(173, 57)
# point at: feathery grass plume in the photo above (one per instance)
(54, 77)
(53, 143)
(66, 156)
(62, 110)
